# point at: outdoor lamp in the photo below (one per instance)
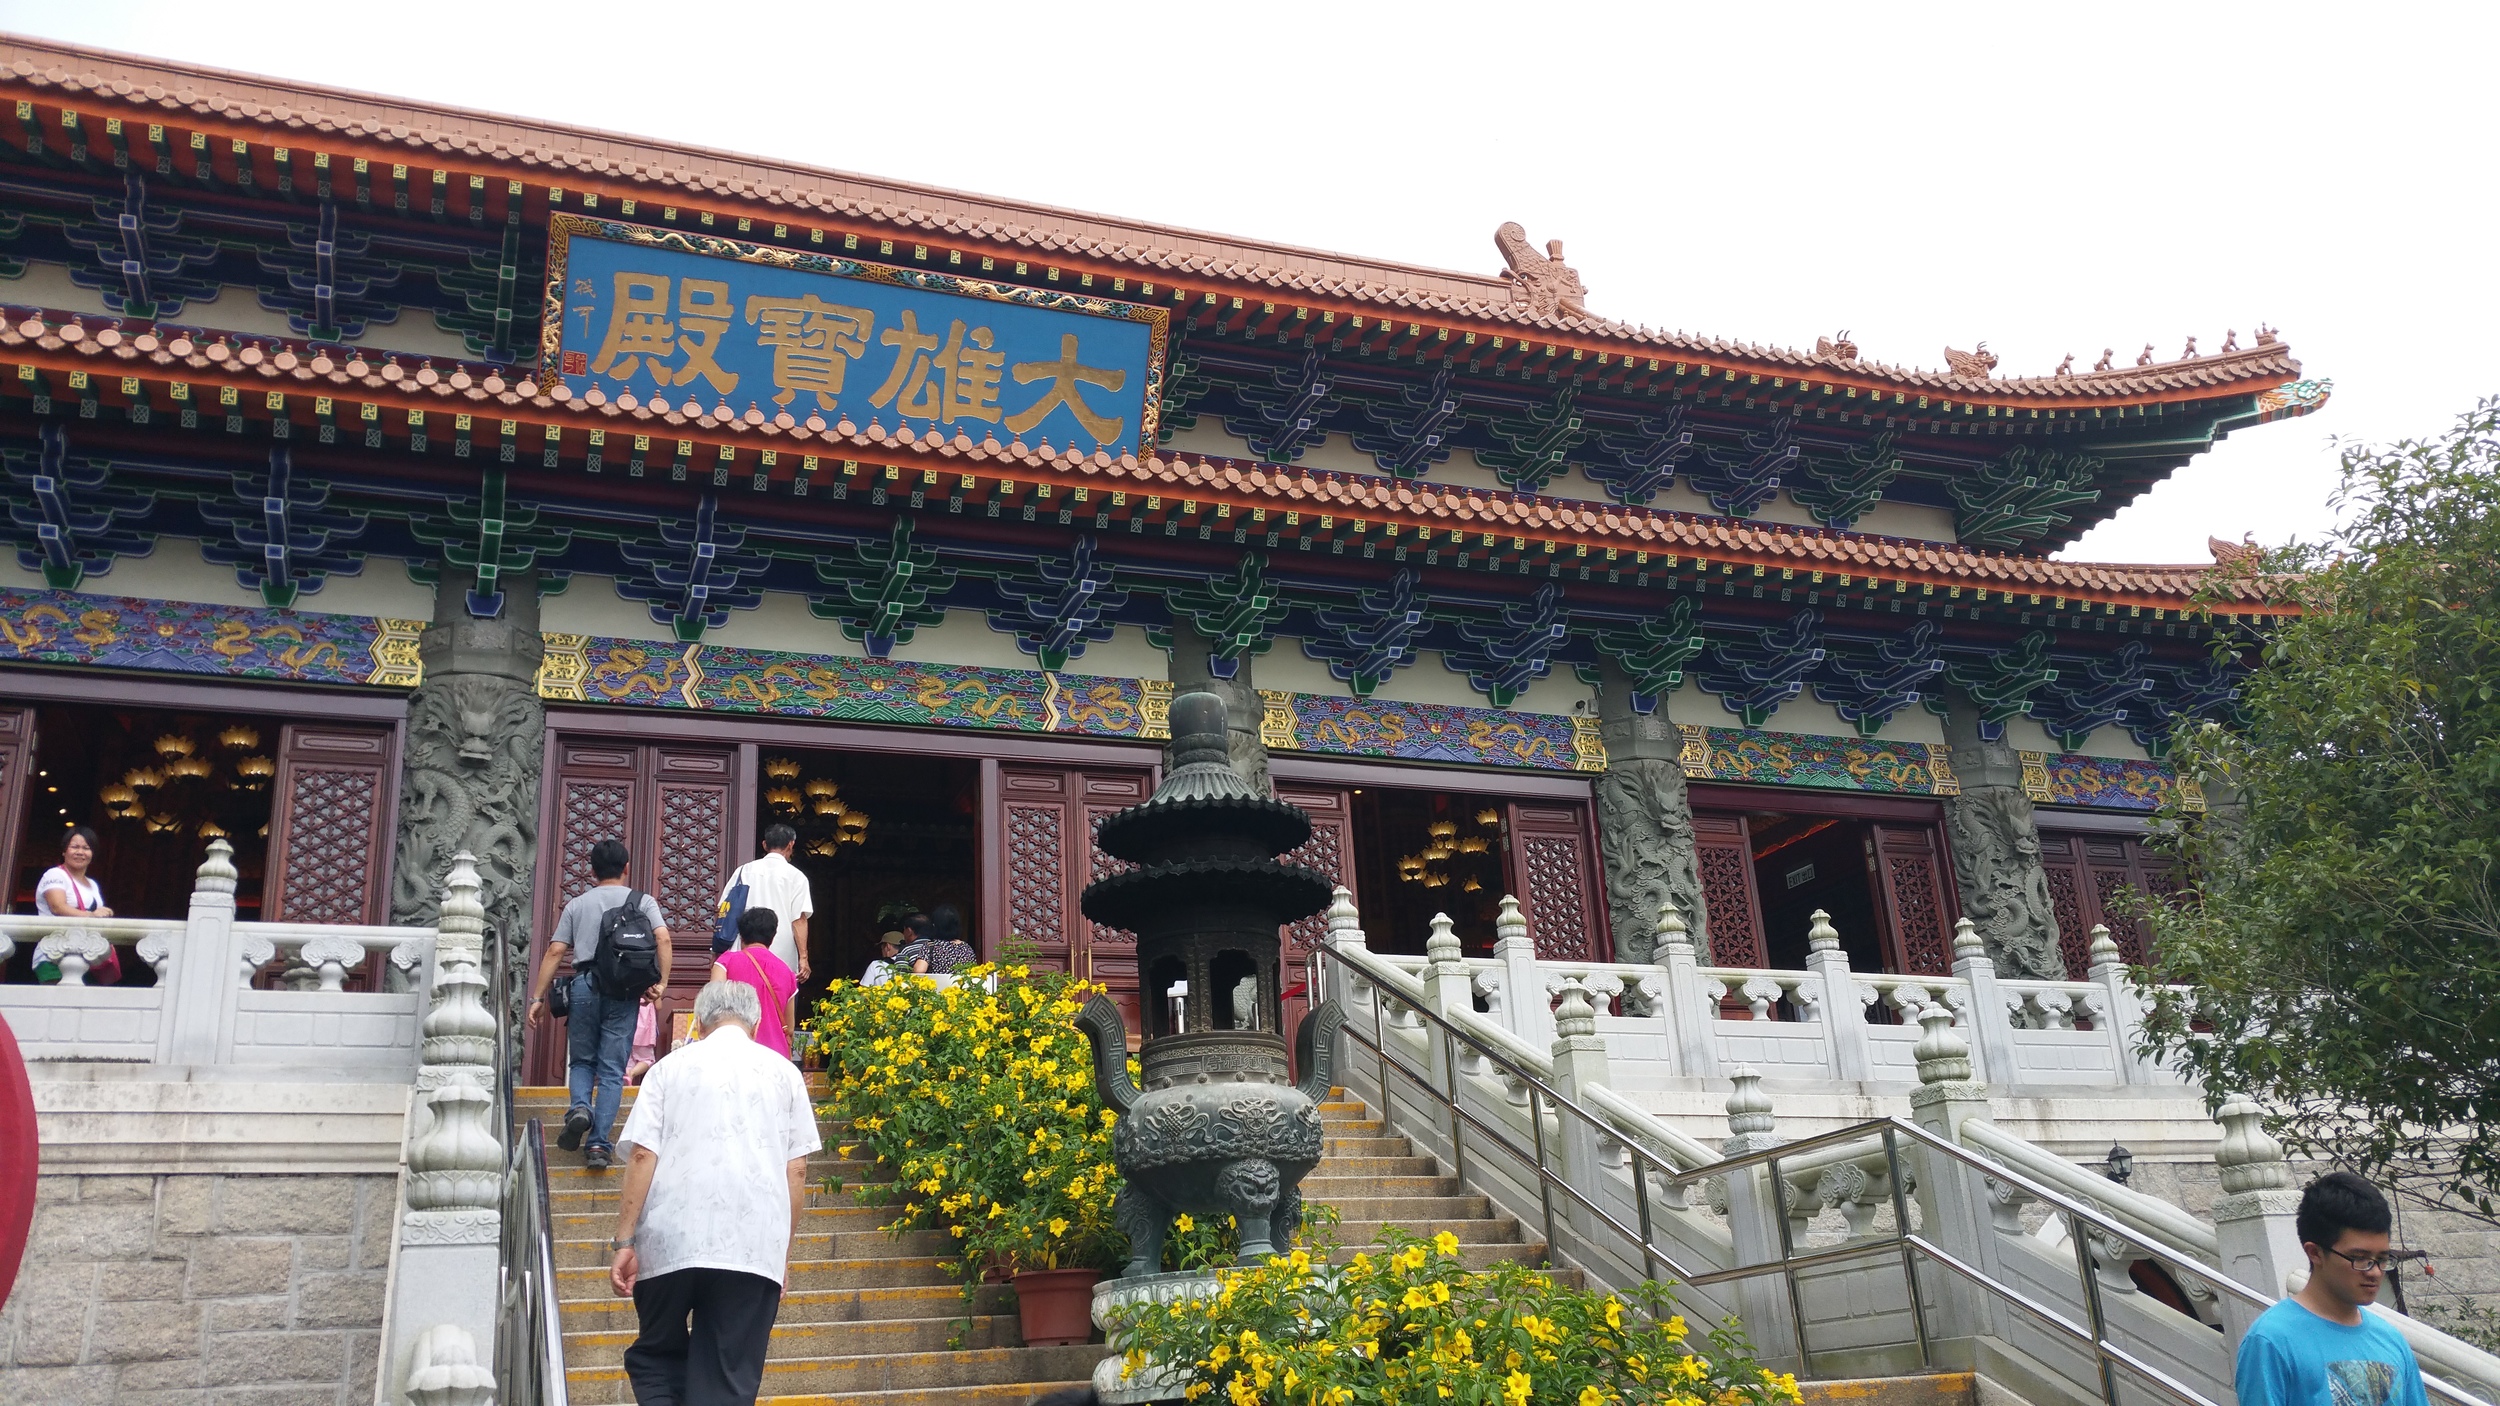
(2120, 1164)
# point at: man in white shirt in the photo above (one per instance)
(776, 883)
(715, 1177)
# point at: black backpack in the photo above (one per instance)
(628, 960)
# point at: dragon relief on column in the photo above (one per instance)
(1645, 828)
(471, 782)
(2005, 890)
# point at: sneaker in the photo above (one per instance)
(576, 1124)
(598, 1158)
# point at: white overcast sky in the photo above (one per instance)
(2052, 179)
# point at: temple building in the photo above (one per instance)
(385, 481)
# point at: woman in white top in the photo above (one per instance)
(65, 890)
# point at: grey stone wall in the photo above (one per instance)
(200, 1290)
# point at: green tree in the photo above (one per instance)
(2340, 959)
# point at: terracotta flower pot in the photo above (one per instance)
(1055, 1307)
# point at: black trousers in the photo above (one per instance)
(704, 1333)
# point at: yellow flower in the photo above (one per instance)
(1446, 1243)
(1591, 1396)
(1184, 1225)
(1058, 1225)
(1614, 1312)
(1516, 1389)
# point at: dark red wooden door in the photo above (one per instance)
(1916, 908)
(1723, 852)
(330, 825)
(1552, 870)
(17, 775)
(1330, 854)
(1045, 818)
(2087, 872)
(672, 806)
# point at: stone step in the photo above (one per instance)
(834, 1245)
(996, 1394)
(1368, 1168)
(1335, 1190)
(590, 1284)
(1470, 1231)
(564, 1167)
(1403, 1210)
(1352, 1127)
(1935, 1389)
(585, 1194)
(799, 1306)
(793, 1340)
(848, 1376)
(590, 1225)
(1392, 1146)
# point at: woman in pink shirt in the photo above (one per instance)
(751, 960)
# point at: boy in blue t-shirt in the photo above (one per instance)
(2318, 1348)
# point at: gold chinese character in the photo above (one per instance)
(703, 313)
(1064, 376)
(638, 327)
(812, 342)
(958, 381)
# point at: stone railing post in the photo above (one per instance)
(2125, 1018)
(200, 974)
(1344, 934)
(1953, 1202)
(1843, 1014)
(1446, 980)
(450, 1235)
(1752, 1202)
(1991, 1023)
(1526, 1012)
(2253, 1218)
(1689, 1009)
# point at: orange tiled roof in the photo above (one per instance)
(108, 365)
(583, 160)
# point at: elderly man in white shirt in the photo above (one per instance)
(714, 1181)
(776, 883)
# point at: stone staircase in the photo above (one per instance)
(866, 1317)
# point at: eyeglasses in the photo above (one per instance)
(2383, 1261)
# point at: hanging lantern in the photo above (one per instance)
(1435, 881)
(822, 786)
(117, 796)
(163, 825)
(144, 779)
(782, 798)
(1441, 829)
(823, 849)
(781, 768)
(1473, 885)
(1472, 844)
(211, 830)
(828, 805)
(175, 745)
(193, 768)
(254, 772)
(1488, 818)
(238, 738)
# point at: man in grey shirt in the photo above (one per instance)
(600, 1030)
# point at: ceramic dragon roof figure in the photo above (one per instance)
(1543, 282)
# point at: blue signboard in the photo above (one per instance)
(692, 322)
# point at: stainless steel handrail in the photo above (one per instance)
(529, 1336)
(2092, 1335)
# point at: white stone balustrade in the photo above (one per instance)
(208, 1005)
(1680, 1018)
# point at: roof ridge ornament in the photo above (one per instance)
(1546, 285)
(1974, 364)
(1838, 348)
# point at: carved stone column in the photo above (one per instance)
(476, 734)
(1192, 672)
(1644, 823)
(1996, 853)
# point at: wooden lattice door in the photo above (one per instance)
(1916, 909)
(2087, 873)
(1552, 864)
(17, 774)
(330, 825)
(1329, 853)
(1723, 852)
(1045, 819)
(672, 807)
